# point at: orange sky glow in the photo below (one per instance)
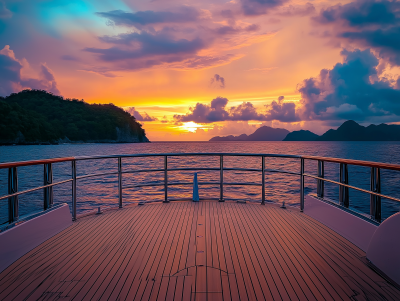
(244, 51)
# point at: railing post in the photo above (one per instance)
(263, 180)
(343, 191)
(221, 178)
(13, 204)
(73, 190)
(165, 180)
(320, 183)
(375, 201)
(48, 191)
(301, 184)
(120, 182)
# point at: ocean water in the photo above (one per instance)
(103, 191)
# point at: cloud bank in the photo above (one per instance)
(12, 81)
(140, 116)
(350, 90)
(217, 111)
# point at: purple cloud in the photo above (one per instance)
(218, 80)
(347, 92)
(140, 116)
(184, 14)
(371, 24)
(217, 111)
(5, 13)
(260, 7)
(12, 81)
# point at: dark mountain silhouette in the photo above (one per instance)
(301, 135)
(352, 131)
(264, 133)
(34, 116)
(348, 131)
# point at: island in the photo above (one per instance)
(348, 131)
(39, 117)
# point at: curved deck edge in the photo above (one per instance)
(24, 237)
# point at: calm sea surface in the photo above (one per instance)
(102, 191)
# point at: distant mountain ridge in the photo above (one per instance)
(348, 131)
(352, 131)
(264, 133)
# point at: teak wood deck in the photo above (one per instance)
(195, 251)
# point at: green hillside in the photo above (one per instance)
(34, 116)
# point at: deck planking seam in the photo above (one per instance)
(229, 288)
(252, 260)
(306, 255)
(126, 263)
(217, 259)
(235, 281)
(163, 283)
(269, 270)
(122, 245)
(150, 237)
(366, 280)
(342, 270)
(115, 240)
(250, 294)
(301, 263)
(285, 263)
(274, 258)
(37, 265)
(77, 268)
(234, 237)
(162, 259)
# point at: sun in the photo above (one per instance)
(190, 126)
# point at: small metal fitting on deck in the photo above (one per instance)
(283, 205)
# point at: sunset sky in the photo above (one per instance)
(191, 70)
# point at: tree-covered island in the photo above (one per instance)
(35, 117)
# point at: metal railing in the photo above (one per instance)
(374, 192)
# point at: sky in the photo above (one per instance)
(192, 70)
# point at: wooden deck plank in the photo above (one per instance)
(232, 249)
(251, 252)
(252, 263)
(165, 248)
(122, 267)
(311, 264)
(128, 291)
(298, 268)
(161, 285)
(72, 249)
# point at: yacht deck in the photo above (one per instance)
(196, 251)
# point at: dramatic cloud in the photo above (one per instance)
(217, 111)
(282, 111)
(297, 10)
(351, 90)
(5, 13)
(67, 57)
(218, 81)
(371, 24)
(12, 81)
(260, 7)
(140, 116)
(149, 45)
(362, 13)
(183, 14)
(203, 41)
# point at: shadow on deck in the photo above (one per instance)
(195, 251)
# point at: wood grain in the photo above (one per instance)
(195, 251)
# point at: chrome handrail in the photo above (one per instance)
(375, 193)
